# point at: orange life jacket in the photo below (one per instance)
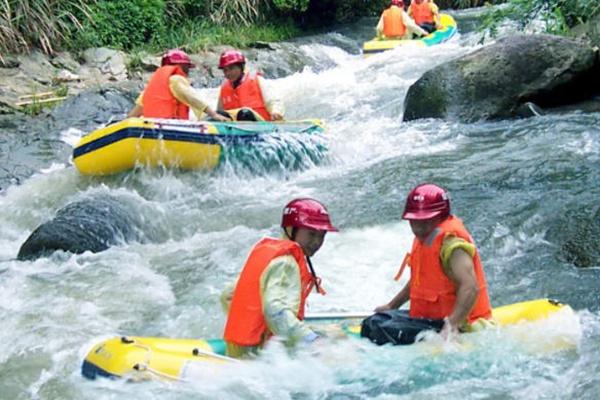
(421, 13)
(158, 101)
(246, 94)
(246, 325)
(392, 22)
(432, 293)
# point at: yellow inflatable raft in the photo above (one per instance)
(448, 29)
(152, 142)
(148, 357)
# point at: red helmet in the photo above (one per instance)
(176, 56)
(307, 213)
(398, 3)
(231, 57)
(426, 201)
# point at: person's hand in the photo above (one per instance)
(334, 332)
(277, 117)
(384, 307)
(449, 332)
(221, 118)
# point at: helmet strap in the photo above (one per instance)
(316, 279)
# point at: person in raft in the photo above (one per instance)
(447, 287)
(246, 93)
(169, 94)
(270, 294)
(395, 24)
(426, 14)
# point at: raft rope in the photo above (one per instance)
(144, 365)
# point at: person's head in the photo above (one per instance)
(177, 57)
(426, 206)
(419, 1)
(232, 62)
(306, 221)
(397, 3)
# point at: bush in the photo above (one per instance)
(41, 23)
(558, 16)
(124, 24)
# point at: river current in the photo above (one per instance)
(516, 184)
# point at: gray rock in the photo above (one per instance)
(576, 234)
(9, 61)
(36, 66)
(496, 81)
(96, 106)
(66, 76)
(64, 60)
(88, 225)
(150, 63)
(589, 31)
(108, 61)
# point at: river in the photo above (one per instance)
(514, 183)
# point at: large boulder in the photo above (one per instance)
(87, 225)
(498, 80)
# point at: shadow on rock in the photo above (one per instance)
(578, 234)
(88, 225)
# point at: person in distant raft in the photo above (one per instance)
(270, 294)
(395, 24)
(169, 93)
(426, 14)
(447, 287)
(246, 92)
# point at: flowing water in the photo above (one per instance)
(512, 182)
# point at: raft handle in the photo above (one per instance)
(555, 302)
(126, 340)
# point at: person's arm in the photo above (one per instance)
(138, 108)
(412, 26)
(227, 296)
(379, 27)
(461, 271)
(398, 300)
(280, 290)
(273, 103)
(436, 14)
(183, 91)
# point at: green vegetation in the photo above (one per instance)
(557, 16)
(153, 25)
(39, 23)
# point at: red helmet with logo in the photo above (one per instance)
(307, 213)
(231, 57)
(426, 201)
(398, 3)
(176, 56)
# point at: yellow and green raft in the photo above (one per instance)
(188, 145)
(165, 358)
(447, 30)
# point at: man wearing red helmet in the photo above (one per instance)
(395, 23)
(169, 93)
(270, 294)
(248, 93)
(447, 285)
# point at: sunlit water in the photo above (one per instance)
(511, 182)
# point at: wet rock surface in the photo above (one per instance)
(497, 80)
(87, 225)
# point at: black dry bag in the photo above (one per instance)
(396, 327)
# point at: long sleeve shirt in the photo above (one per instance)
(185, 93)
(280, 289)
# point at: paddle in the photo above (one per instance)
(338, 315)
